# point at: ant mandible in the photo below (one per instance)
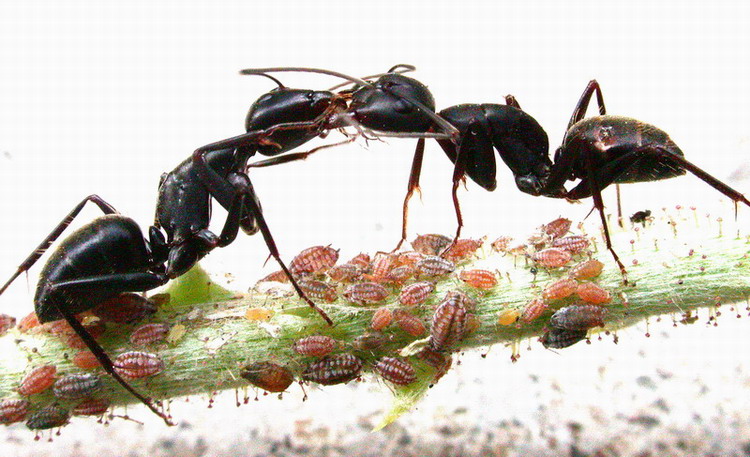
(605, 149)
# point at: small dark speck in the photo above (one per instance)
(404, 440)
(7, 155)
(167, 443)
(746, 448)
(645, 420)
(646, 382)
(662, 405)
(575, 452)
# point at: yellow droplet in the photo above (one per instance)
(258, 314)
(508, 316)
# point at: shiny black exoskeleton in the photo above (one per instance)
(104, 259)
(603, 150)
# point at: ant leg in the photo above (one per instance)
(55, 234)
(510, 100)
(416, 171)
(286, 158)
(583, 103)
(619, 207)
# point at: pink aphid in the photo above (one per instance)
(573, 244)
(335, 369)
(92, 407)
(586, 270)
(557, 228)
(552, 257)
(409, 323)
(318, 290)
(431, 244)
(560, 289)
(533, 310)
(314, 260)
(593, 293)
(480, 279)
(501, 244)
(463, 249)
(416, 293)
(347, 272)
(276, 276)
(315, 345)
(448, 323)
(37, 380)
(397, 371)
(13, 410)
(382, 318)
(134, 365)
(6, 323)
(366, 293)
(432, 266)
(148, 334)
(361, 260)
(381, 266)
(400, 275)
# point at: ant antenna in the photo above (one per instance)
(255, 71)
(281, 86)
(398, 69)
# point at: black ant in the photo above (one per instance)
(604, 149)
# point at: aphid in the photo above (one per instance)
(508, 316)
(258, 314)
(268, 376)
(416, 293)
(469, 303)
(400, 275)
(381, 266)
(334, 369)
(480, 279)
(6, 323)
(586, 270)
(448, 323)
(408, 258)
(137, 364)
(557, 228)
(381, 319)
(501, 244)
(92, 407)
(315, 345)
(560, 339)
(37, 380)
(149, 334)
(347, 272)
(593, 293)
(560, 289)
(13, 410)
(276, 276)
(318, 290)
(76, 386)
(397, 371)
(371, 341)
(463, 249)
(125, 309)
(532, 310)
(314, 260)
(578, 317)
(409, 323)
(86, 360)
(431, 244)
(366, 293)
(552, 257)
(361, 260)
(28, 322)
(473, 323)
(438, 360)
(72, 340)
(573, 244)
(48, 417)
(432, 266)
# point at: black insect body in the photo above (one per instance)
(603, 150)
(640, 217)
(104, 259)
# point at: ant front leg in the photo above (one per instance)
(55, 234)
(416, 172)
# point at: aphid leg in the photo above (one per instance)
(55, 234)
(416, 171)
(106, 362)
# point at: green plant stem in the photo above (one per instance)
(698, 264)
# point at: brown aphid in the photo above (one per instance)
(13, 410)
(347, 272)
(315, 345)
(366, 293)
(433, 266)
(381, 266)
(276, 276)
(268, 376)
(557, 228)
(438, 360)
(313, 260)
(160, 299)
(573, 244)
(586, 270)
(382, 318)
(560, 289)
(560, 339)
(431, 244)
(473, 323)
(86, 360)
(361, 260)
(28, 322)
(6, 323)
(480, 279)
(37, 380)
(135, 364)
(578, 317)
(552, 257)
(92, 407)
(318, 290)
(593, 293)
(533, 310)
(463, 249)
(397, 371)
(416, 294)
(48, 417)
(96, 329)
(333, 369)
(448, 323)
(501, 244)
(408, 258)
(77, 386)
(125, 309)
(371, 341)
(508, 316)
(400, 275)
(469, 303)
(148, 334)
(409, 323)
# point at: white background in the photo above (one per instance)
(101, 98)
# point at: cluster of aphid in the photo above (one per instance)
(555, 250)
(82, 393)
